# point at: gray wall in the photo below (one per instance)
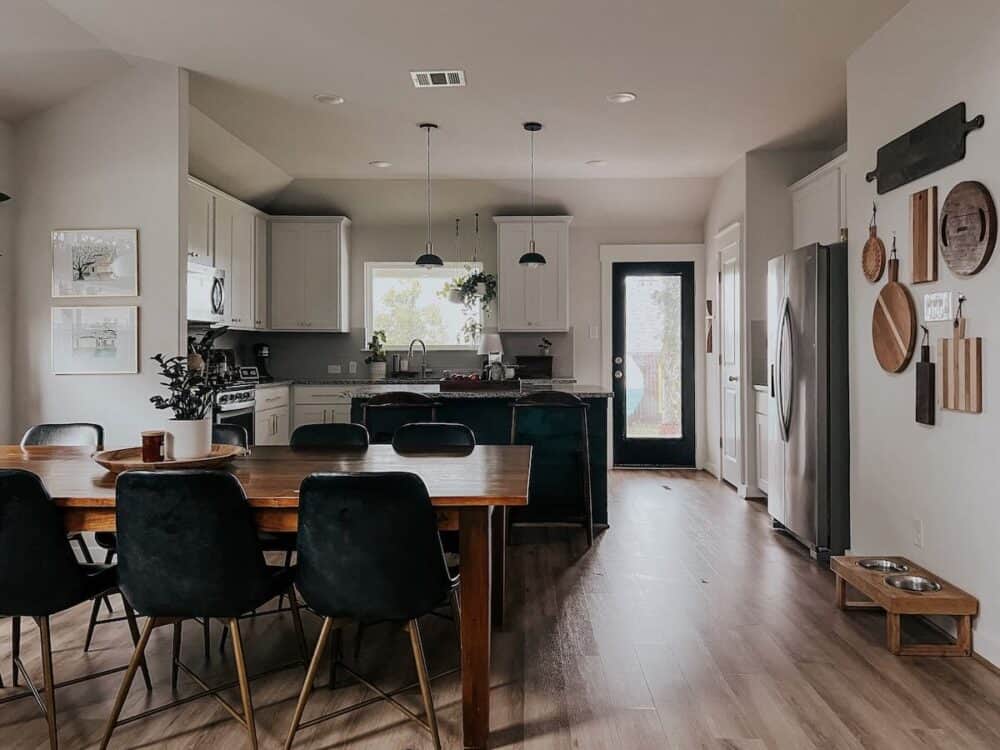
(115, 155)
(928, 57)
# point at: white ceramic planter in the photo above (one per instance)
(377, 370)
(455, 296)
(189, 438)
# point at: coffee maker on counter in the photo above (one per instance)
(263, 354)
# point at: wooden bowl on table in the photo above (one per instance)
(124, 459)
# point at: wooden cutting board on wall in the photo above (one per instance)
(894, 323)
(961, 361)
(924, 235)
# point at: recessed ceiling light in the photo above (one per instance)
(329, 99)
(622, 97)
(380, 164)
(597, 163)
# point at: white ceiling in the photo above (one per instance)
(715, 78)
(45, 58)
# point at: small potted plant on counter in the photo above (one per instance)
(376, 355)
(545, 348)
(191, 397)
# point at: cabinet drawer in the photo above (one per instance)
(317, 394)
(272, 398)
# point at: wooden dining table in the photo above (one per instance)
(466, 488)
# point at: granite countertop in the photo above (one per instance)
(406, 381)
(583, 391)
(274, 384)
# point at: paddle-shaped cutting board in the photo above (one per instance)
(961, 361)
(894, 323)
(923, 235)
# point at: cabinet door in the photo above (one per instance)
(200, 208)
(310, 415)
(287, 277)
(816, 210)
(241, 274)
(762, 433)
(260, 272)
(281, 426)
(512, 313)
(340, 414)
(546, 287)
(263, 428)
(322, 277)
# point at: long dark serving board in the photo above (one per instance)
(927, 148)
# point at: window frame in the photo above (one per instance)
(373, 265)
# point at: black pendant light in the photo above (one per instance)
(429, 260)
(532, 258)
(4, 197)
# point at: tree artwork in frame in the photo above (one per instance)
(95, 340)
(95, 263)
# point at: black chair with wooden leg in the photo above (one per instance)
(554, 423)
(384, 413)
(40, 577)
(368, 550)
(333, 436)
(188, 548)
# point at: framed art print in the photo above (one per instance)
(95, 340)
(95, 263)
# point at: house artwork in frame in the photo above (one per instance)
(95, 263)
(95, 340)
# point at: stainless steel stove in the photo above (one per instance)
(234, 404)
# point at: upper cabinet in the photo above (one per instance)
(533, 299)
(309, 273)
(819, 205)
(235, 235)
(201, 206)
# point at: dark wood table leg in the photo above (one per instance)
(499, 546)
(474, 550)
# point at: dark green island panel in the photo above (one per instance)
(488, 414)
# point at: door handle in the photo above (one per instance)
(785, 410)
(618, 360)
(618, 373)
(733, 378)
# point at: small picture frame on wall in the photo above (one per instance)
(95, 263)
(95, 340)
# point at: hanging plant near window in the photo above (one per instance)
(475, 287)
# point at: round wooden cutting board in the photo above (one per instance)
(894, 323)
(968, 228)
(873, 256)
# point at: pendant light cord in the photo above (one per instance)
(428, 189)
(532, 191)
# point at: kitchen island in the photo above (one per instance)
(488, 414)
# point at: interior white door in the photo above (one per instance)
(731, 357)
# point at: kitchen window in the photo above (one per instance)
(409, 303)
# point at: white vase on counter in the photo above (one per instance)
(189, 438)
(376, 370)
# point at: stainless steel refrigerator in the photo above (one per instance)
(808, 421)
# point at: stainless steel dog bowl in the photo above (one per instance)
(912, 583)
(883, 565)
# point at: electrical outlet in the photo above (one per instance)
(595, 333)
(352, 367)
(333, 369)
(918, 532)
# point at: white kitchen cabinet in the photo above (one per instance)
(322, 404)
(533, 299)
(762, 434)
(272, 416)
(309, 273)
(260, 273)
(819, 205)
(201, 208)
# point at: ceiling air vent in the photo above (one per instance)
(429, 79)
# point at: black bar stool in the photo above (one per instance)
(369, 550)
(384, 413)
(41, 577)
(554, 424)
(333, 436)
(188, 548)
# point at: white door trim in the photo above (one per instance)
(654, 252)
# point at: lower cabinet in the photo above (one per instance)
(321, 405)
(272, 416)
(761, 426)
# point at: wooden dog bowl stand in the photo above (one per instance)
(950, 600)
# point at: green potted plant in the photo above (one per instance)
(472, 289)
(376, 355)
(191, 397)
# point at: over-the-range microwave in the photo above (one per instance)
(206, 293)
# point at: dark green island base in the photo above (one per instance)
(488, 414)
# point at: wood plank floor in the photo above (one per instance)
(690, 625)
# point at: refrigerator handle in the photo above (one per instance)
(771, 380)
(784, 410)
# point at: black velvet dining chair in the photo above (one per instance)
(433, 437)
(368, 550)
(188, 548)
(384, 413)
(40, 577)
(554, 423)
(331, 436)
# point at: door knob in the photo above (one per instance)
(618, 373)
(733, 378)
